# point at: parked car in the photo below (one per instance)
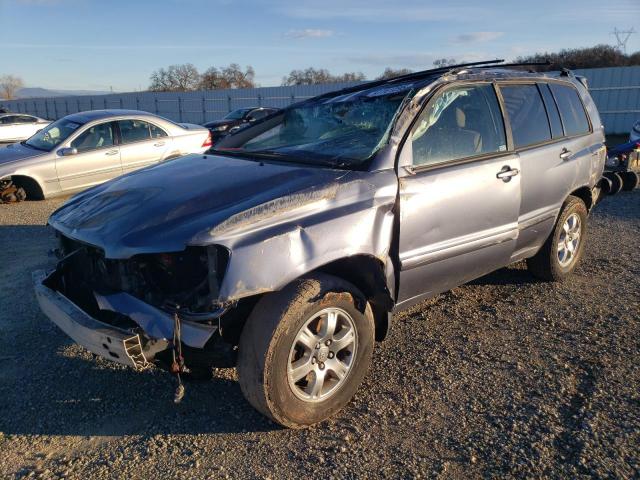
(235, 120)
(15, 127)
(4, 110)
(88, 148)
(288, 249)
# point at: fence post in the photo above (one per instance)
(204, 109)
(105, 102)
(137, 103)
(293, 98)
(155, 100)
(55, 108)
(35, 108)
(91, 103)
(66, 106)
(259, 100)
(228, 103)
(46, 107)
(121, 104)
(78, 102)
(180, 109)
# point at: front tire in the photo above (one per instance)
(305, 350)
(562, 251)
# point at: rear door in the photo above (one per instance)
(547, 158)
(97, 159)
(460, 195)
(142, 143)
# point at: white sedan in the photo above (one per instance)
(87, 148)
(15, 127)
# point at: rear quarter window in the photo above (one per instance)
(526, 113)
(574, 118)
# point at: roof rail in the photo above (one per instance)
(423, 73)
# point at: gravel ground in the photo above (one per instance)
(505, 376)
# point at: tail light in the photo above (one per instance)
(208, 141)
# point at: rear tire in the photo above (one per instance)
(562, 251)
(289, 333)
(630, 180)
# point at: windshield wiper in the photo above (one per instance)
(293, 158)
(24, 142)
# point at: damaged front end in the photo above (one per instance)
(127, 310)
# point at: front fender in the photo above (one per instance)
(358, 220)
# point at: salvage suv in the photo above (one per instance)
(286, 249)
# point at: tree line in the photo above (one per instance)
(186, 77)
(181, 78)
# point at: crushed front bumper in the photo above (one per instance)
(106, 340)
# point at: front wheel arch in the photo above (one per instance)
(30, 185)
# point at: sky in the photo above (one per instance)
(115, 44)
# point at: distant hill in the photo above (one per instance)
(36, 92)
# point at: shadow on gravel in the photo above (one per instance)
(506, 276)
(86, 397)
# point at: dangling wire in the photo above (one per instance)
(178, 360)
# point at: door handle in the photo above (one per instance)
(111, 152)
(158, 144)
(506, 173)
(566, 154)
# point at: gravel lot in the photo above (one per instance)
(505, 376)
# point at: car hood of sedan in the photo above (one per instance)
(162, 208)
(17, 151)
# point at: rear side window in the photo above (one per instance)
(461, 122)
(137, 130)
(571, 109)
(552, 111)
(527, 115)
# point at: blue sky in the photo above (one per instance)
(96, 45)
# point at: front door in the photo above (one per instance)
(97, 159)
(460, 197)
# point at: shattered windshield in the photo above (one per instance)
(341, 130)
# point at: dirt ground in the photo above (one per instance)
(505, 376)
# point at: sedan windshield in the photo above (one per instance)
(237, 114)
(342, 130)
(52, 135)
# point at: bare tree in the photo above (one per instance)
(175, 78)
(9, 86)
(313, 76)
(236, 78)
(392, 73)
(444, 62)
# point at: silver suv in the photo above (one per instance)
(286, 250)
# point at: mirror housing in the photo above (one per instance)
(65, 152)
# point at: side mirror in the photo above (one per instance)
(65, 152)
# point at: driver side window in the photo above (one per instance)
(95, 137)
(460, 122)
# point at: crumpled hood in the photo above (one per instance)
(161, 208)
(17, 151)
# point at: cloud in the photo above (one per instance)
(309, 33)
(475, 37)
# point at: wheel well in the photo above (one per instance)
(31, 186)
(584, 193)
(367, 273)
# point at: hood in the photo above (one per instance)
(161, 208)
(17, 151)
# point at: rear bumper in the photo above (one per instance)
(106, 340)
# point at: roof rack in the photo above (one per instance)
(424, 73)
